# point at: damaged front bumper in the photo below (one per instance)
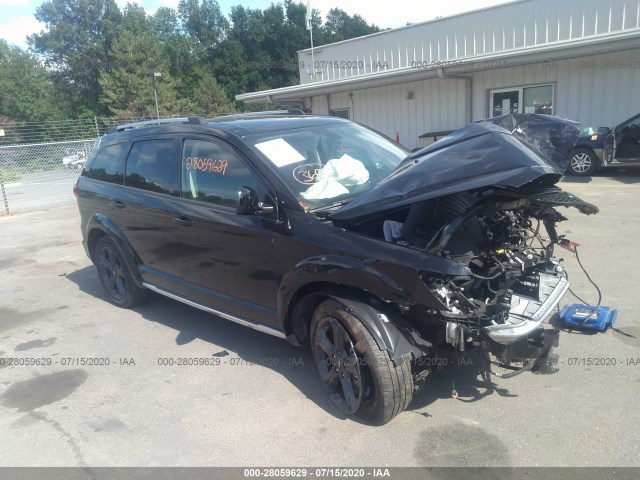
(526, 314)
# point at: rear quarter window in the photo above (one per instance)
(108, 164)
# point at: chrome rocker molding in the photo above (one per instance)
(226, 316)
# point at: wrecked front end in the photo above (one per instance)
(507, 241)
(484, 198)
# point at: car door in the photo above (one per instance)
(225, 260)
(145, 206)
(627, 141)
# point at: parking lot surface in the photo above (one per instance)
(84, 383)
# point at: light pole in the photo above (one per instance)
(309, 18)
(155, 92)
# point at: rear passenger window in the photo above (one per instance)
(213, 173)
(154, 165)
(108, 164)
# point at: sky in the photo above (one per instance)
(17, 16)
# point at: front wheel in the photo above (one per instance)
(583, 162)
(359, 377)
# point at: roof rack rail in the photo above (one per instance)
(291, 111)
(160, 121)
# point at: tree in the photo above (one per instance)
(260, 51)
(100, 59)
(340, 26)
(205, 23)
(208, 96)
(76, 44)
(164, 24)
(128, 89)
(234, 72)
(135, 19)
(26, 90)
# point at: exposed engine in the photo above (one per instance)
(507, 241)
(482, 204)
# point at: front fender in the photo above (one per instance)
(388, 282)
(100, 224)
(352, 282)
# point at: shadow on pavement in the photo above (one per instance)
(575, 179)
(619, 174)
(464, 378)
(467, 374)
(227, 338)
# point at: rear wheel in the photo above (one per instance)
(359, 377)
(114, 275)
(583, 162)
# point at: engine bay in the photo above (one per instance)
(506, 238)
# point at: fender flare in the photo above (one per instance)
(390, 332)
(103, 223)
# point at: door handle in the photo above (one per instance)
(117, 204)
(182, 220)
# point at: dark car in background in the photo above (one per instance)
(607, 147)
(277, 222)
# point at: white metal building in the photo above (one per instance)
(579, 59)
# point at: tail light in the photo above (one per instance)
(76, 192)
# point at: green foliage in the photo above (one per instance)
(128, 90)
(97, 59)
(205, 24)
(341, 26)
(209, 97)
(77, 44)
(26, 90)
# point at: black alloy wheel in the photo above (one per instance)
(114, 275)
(339, 365)
(359, 376)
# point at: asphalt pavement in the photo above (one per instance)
(40, 190)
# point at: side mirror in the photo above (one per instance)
(604, 130)
(248, 203)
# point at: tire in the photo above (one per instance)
(114, 275)
(583, 162)
(359, 377)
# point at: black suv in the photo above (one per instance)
(321, 231)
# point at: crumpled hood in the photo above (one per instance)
(509, 151)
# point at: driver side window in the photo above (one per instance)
(213, 173)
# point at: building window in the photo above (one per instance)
(527, 99)
(341, 112)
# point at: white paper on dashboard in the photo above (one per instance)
(280, 152)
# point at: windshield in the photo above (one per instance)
(326, 164)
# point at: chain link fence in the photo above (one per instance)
(40, 161)
(40, 175)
